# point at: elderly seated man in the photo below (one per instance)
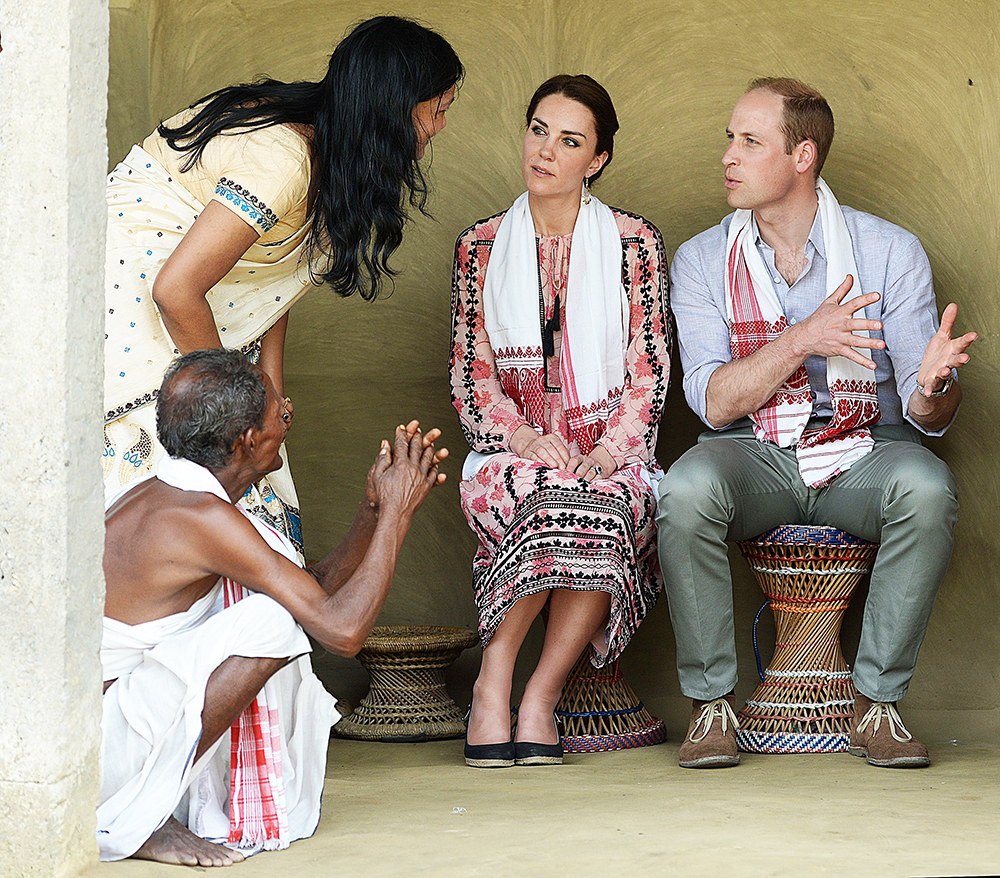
(204, 619)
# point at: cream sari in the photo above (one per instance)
(148, 214)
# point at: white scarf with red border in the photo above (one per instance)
(755, 317)
(592, 362)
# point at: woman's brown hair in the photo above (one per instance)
(587, 91)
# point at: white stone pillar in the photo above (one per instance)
(53, 160)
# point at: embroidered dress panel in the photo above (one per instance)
(539, 527)
(594, 330)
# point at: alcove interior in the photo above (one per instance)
(914, 87)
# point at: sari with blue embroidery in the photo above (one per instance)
(263, 177)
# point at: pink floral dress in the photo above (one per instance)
(541, 528)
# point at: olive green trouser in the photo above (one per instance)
(732, 487)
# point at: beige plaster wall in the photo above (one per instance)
(52, 156)
(914, 90)
(129, 110)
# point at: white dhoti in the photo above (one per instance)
(151, 722)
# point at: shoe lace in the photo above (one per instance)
(718, 709)
(885, 709)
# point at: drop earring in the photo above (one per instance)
(586, 190)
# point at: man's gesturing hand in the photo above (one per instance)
(403, 475)
(829, 330)
(943, 353)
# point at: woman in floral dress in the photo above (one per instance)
(559, 370)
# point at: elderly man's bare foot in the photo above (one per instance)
(174, 843)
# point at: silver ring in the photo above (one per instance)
(596, 467)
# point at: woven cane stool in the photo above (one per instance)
(407, 701)
(805, 701)
(599, 711)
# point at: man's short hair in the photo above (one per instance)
(806, 115)
(207, 399)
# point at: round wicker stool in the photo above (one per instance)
(407, 701)
(805, 702)
(599, 711)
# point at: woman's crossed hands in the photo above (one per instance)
(551, 450)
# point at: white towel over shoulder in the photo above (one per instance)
(755, 318)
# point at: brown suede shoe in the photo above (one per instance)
(878, 734)
(711, 737)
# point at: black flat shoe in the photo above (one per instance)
(489, 755)
(530, 753)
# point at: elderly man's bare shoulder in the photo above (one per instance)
(154, 504)
(165, 548)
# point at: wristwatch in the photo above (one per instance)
(947, 386)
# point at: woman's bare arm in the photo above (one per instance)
(272, 354)
(205, 255)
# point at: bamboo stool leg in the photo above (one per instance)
(599, 711)
(805, 702)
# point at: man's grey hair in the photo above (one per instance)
(207, 399)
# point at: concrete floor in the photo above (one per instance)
(416, 810)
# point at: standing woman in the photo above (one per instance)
(560, 362)
(232, 209)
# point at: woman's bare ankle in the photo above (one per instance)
(489, 722)
(536, 720)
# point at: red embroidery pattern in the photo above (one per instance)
(748, 337)
(588, 423)
(522, 377)
(854, 402)
(855, 405)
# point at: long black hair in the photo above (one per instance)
(365, 166)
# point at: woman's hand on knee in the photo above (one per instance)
(599, 464)
(548, 449)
